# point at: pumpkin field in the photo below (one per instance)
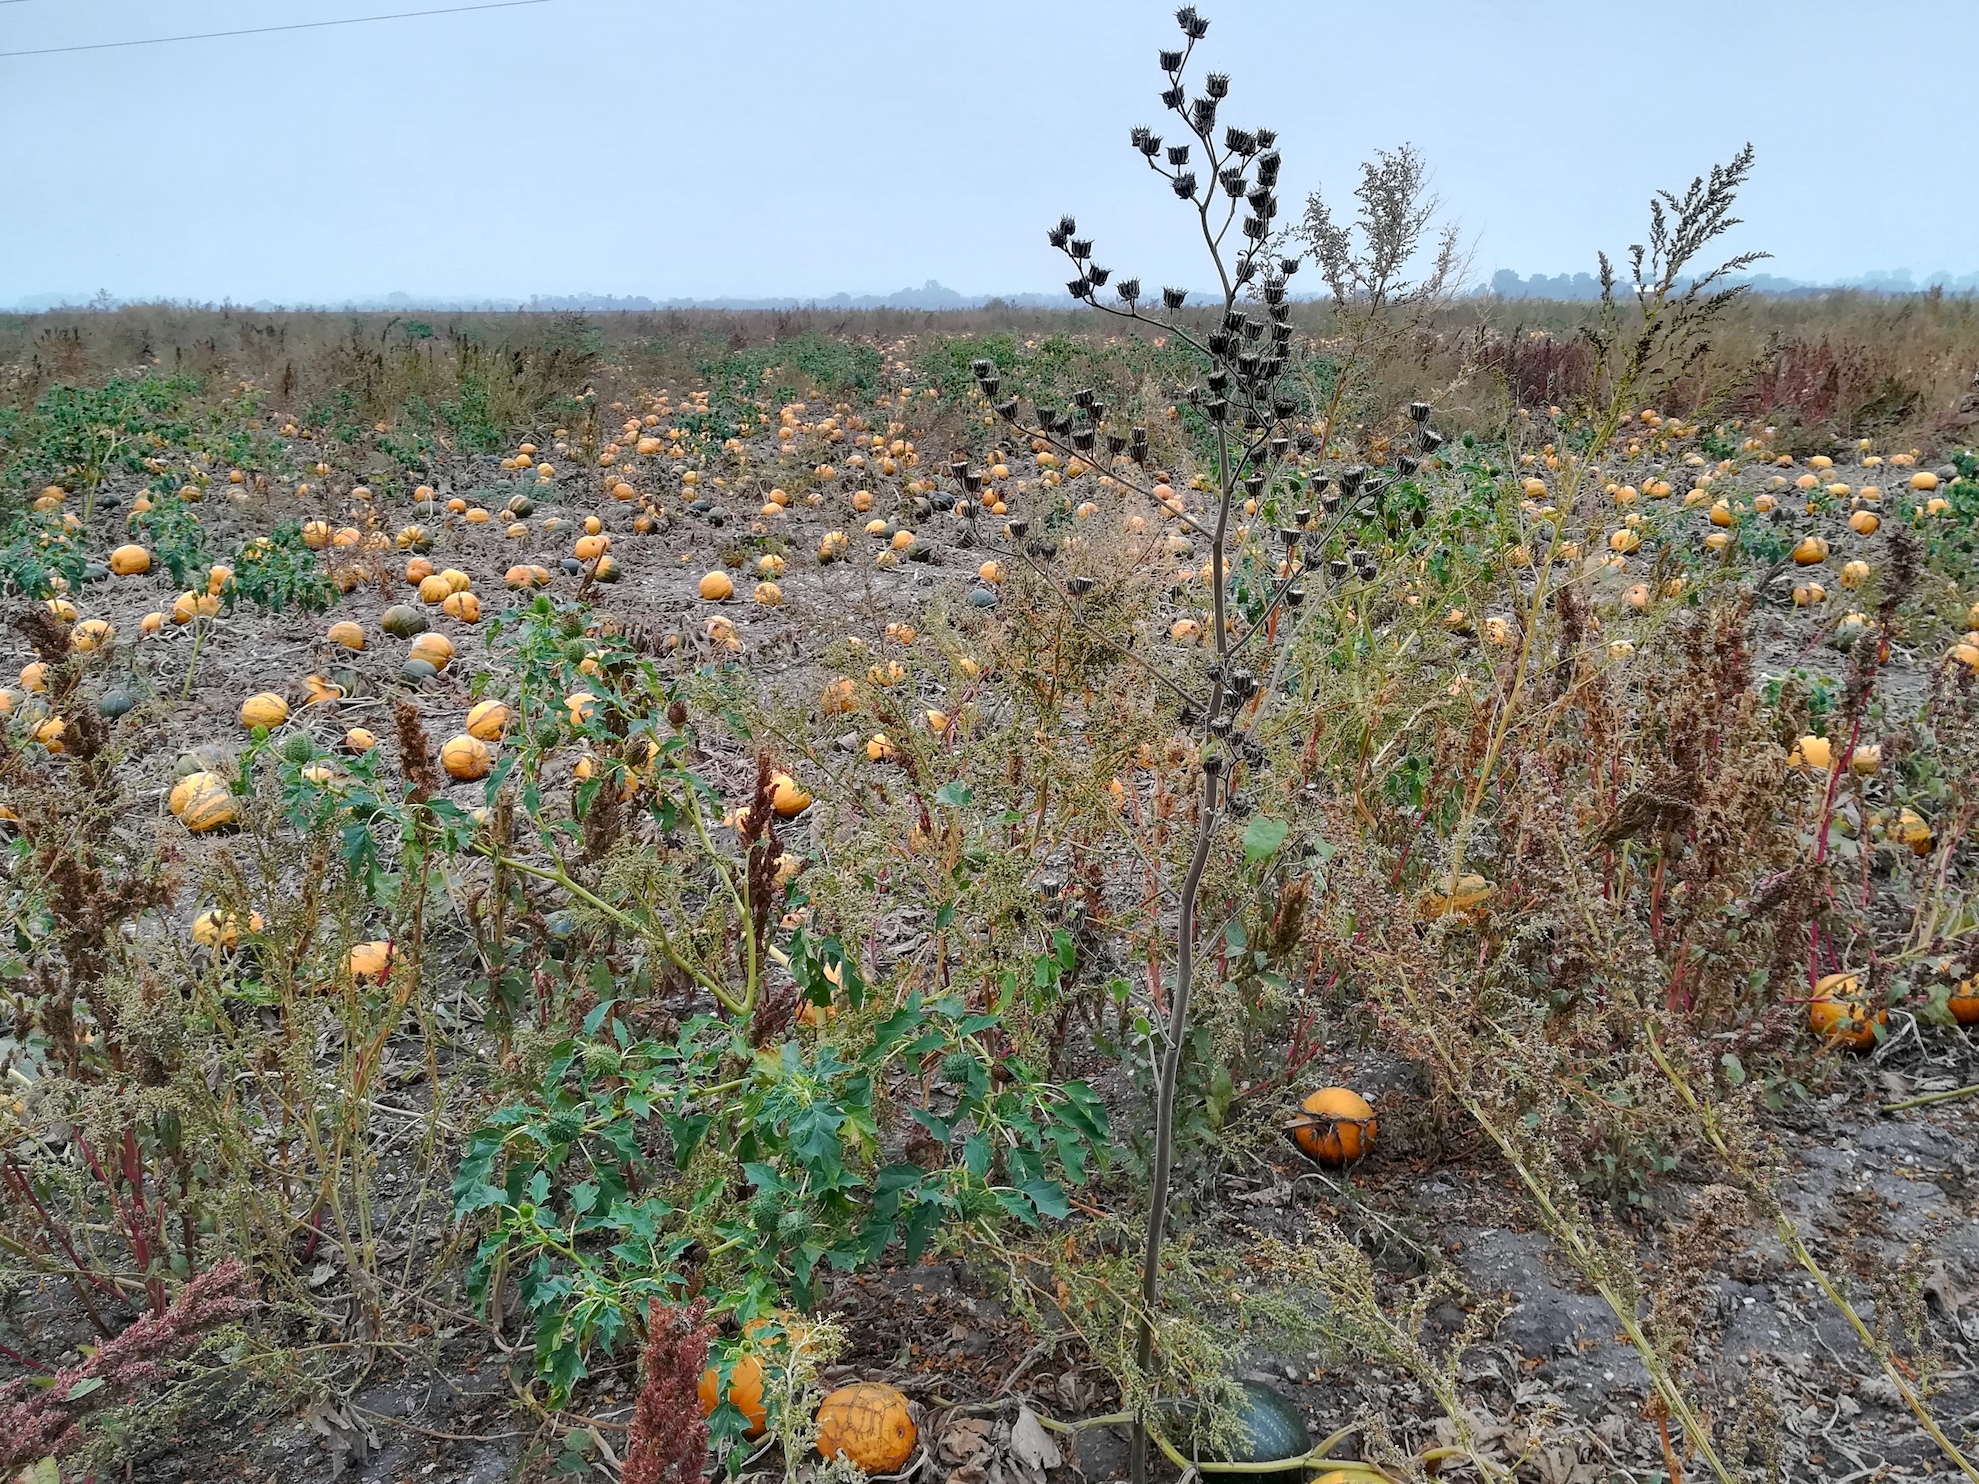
(1319, 880)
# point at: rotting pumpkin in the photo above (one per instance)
(869, 1425)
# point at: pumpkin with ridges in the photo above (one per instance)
(870, 1425)
(1335, 1126)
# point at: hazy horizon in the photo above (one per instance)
(778, 150)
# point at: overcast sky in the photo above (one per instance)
(806, 147)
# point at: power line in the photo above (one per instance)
(356, 20)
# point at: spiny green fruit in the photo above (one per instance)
(957, 1066)
(300, 748)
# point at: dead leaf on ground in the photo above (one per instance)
(345, 1431)
(1033, 1447)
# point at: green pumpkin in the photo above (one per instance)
(115, 703)
(1271, 1429)
(402, 621)
(417, 671)
(201, 760)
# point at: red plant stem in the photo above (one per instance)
(1836, 769)
(53, 1230)
(134, 1174)
(315, 1230)
(140, 1237)
(1677, 998)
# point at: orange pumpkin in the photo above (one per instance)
(717, 587)
(788, 797)
(435, 649)
(188, 606)
(466, 758)
(90, 635)
(1964, 1002)
(487, 720)
(346, 633)
(206, 803)
(264, 710)
(1838, 1014)
(745, 1391)
(216, 929)
(370, 960)
(868, 1424)
(130, 561)
(1336, 1126)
